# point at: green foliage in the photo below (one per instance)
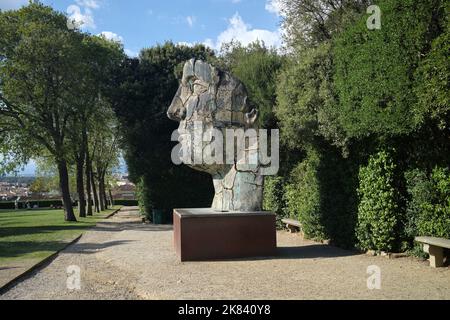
(41, 184)
(22, 204)
(428, 211)
(144, 199)
(321, 193)
(433, 80)
(143, 89)
(274, 196)
(338, 177)
(308, 23)
(257, 67)
(303, 197)
(419, 190)
(35, 43)
(51, 91)
(307, 113)
(375, 68)
(378, 212)
(306, 99)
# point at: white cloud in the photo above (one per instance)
(242, 32)
(235, 1)
(191, 20)
(275, 6)
(85, 20)
(82, 13)
(91, 4)
(111, 36)
(12, 4)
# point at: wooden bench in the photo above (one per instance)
(435, 248)
(292, 225)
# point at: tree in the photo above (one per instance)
(105, 153)
(306, 100)
(308, 23)
(99, 58)
(375, 69)
(257, 67)
(39, 67)
(40, 185)
(144, 89)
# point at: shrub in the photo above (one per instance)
(274, 197)
(428, 210)
(143, 198)
(303, 197)
(10, 205)
(378, 212)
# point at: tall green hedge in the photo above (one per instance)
(428, 210)
(303, 197)
(378, 211)
(274, 197)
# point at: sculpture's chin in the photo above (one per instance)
(219, 170)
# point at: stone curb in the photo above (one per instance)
(9, 285)
(114, 213)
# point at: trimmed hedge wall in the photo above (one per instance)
(126, 203)
(9, 205)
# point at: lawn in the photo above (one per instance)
(36, 234)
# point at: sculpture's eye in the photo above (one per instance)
(199, 87)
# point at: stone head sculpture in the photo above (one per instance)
(214, 101)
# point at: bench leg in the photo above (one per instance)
(292, 229)
(436, 255)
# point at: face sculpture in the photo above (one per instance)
(209, 99)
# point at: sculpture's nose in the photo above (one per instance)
(177, 111)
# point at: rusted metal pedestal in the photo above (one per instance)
(203, 234)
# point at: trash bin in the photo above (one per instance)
(158, 216)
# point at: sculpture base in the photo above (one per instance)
(203, 234)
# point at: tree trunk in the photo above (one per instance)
(103, 190)
(94, 192)
(80, 186)
(65, 191)
(111, 198)
(88, 175)
(100, 193)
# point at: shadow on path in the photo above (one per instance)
(312, 252)
(91, 248)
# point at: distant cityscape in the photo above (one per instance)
(19, 187)
(30, 169)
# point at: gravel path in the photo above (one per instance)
(124, 259)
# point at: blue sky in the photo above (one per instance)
(143, 23)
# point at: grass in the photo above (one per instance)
(36, 234)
